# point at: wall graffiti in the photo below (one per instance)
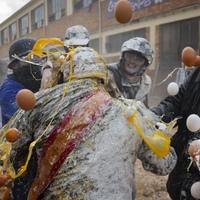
(136, 5)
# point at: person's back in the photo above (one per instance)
(104, 131)
(102, 145)
(89, 147)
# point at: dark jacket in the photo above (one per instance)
(186, 102)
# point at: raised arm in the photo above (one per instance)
(169, 108)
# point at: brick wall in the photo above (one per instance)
(89, 17)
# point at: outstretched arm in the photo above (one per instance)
(151, 162)
(169, 108)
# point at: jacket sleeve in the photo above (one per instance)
(146, 101)
(8, 106)
(169, 108)
(155, 164)
(8, 103)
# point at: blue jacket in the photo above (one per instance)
(8, 91)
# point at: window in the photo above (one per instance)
(173, 38)
(114, 42)
(78, 4)
(37, 17)
(13, 31)
(94, 44)
(4, 36)
(23, 25)
(56, 9)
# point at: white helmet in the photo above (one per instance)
(87, 63)
(76, 35)
(140, 45)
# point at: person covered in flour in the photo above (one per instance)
(75, 36)
(88, 141)
(130, 72)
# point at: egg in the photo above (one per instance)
(3, 180)
(123, 11)
(193, 122)
(12, 134)
(25, 99)
(172, 88)
(197, 61)
(189, 56)
(5, 193)
(195, 190)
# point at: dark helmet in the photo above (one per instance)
(20, 48)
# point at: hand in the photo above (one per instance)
(194, 153)
(5, 193)
(194, 149)
(170, 130)
(174, 130)
(46, 75)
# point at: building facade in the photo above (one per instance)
(169, 25)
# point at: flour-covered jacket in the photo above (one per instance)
(88, 150)
(137, 91)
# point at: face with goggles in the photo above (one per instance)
(133, 63)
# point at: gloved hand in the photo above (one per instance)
(169, 131)
(46, 75)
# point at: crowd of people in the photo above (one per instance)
(90, 127)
